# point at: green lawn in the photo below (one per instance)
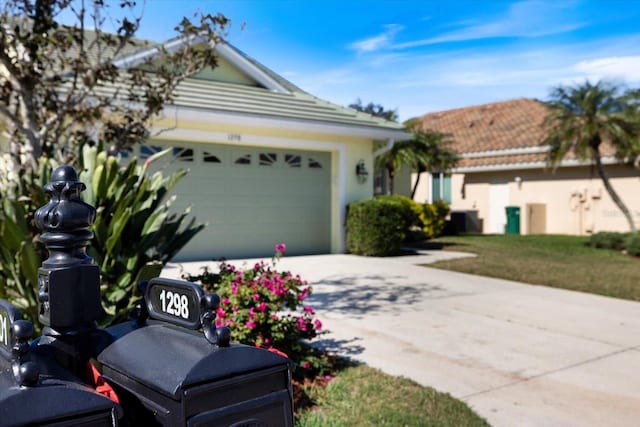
(551, 260)
(362, 396)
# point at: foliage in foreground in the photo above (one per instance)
(362, 396)
(21, 252)
(135, 231)
(266, 307)
(559, 261)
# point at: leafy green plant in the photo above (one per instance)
(608, 240)
(434, 218)
(136, 232)
(265, 307)
(21, 252)
(377, 226)
(632, 244)
(411, 208)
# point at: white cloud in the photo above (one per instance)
(614, 67)
(523, 19)
(377, 42)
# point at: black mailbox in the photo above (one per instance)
(168, 374)
(169, 365)
(35, 390)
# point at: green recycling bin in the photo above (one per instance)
(513, 219)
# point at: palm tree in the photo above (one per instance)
(583, 118)
(426, 151)
(439, 157)
(401, 153)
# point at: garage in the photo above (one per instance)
(251, 198)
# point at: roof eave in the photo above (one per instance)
(313, 126)
(609, 160)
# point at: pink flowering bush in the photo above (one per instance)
(266, 308)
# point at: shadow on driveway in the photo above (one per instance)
(368, 295)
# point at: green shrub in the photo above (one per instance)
(632, 244)
(377, 226)
(265, 307)
(434, 218)
(608, 240)
(411, 208)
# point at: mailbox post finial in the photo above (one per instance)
(69, 282)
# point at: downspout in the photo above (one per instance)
(384, 149)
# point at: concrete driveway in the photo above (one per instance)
(519, 355)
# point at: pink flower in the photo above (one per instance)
(318, 324)
(220, 312)
(256, 297)
(226, 301)
(262, 307)
(301, 324)
(281, 248)
(250, 324)
(308, 309)
(306, 365)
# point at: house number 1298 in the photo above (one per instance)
(174, 304)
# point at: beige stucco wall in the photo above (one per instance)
(575, 199)
(345, 153)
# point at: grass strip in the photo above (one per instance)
(363, 396)
(557, 261)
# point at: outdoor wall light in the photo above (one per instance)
(361, 172)
(518, 181)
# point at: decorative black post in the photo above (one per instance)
(69, 283)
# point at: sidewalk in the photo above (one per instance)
(519, 355)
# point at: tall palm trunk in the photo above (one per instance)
(415, 184)
(614, 196)
(391, 174)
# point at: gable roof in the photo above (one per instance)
(272, 97)
(506, 133)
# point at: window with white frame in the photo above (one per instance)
(441, 187)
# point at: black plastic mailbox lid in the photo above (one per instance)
(168, 359)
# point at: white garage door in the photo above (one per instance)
(253, 198)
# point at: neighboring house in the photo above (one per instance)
(503, 165)
(269, 163)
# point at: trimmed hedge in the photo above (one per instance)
(608, 240)
(628, 242)
(378, 226)
(632, 244)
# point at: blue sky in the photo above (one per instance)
(424, 56)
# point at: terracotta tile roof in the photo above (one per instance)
(482, 133)
(498, 126)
